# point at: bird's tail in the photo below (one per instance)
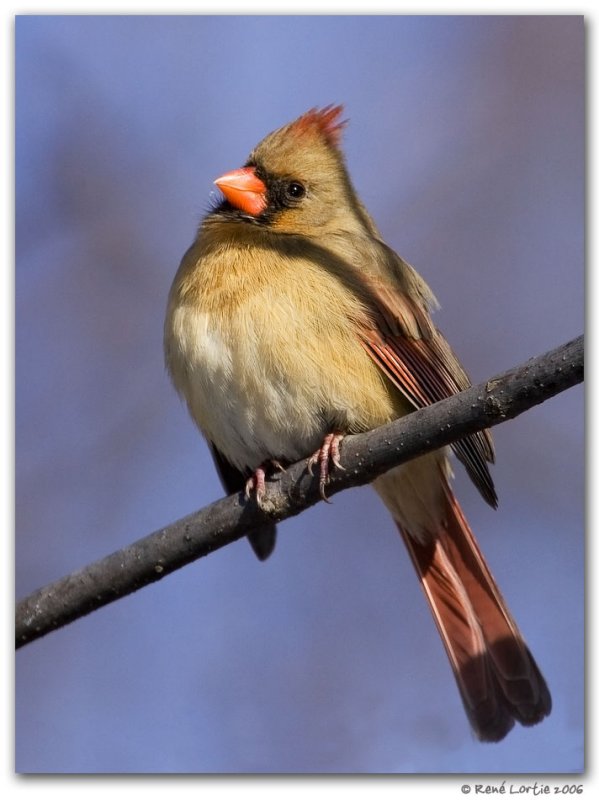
(497, 677)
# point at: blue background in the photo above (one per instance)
(466, 143)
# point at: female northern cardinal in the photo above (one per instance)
(291, 323)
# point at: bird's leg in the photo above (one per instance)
(257, 481)
(328, 453)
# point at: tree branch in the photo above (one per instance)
(364, 456)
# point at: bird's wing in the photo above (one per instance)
(417, 359)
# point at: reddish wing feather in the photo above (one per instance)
(424, 368)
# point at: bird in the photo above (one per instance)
(291, 324)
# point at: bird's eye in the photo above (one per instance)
(295, 190)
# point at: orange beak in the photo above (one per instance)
(244, 190)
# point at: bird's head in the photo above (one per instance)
(295, 180)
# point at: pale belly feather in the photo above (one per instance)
(261, 388)
(242, 405)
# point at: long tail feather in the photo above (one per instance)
(498, 678)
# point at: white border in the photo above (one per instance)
(406, 787)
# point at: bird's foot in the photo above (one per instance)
(256, 484)
(327, 454)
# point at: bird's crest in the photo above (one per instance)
(324, 120)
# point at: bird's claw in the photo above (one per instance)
(328, 453)
(256, 483)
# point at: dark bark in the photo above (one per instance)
(363, 456)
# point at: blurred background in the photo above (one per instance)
(466, 143)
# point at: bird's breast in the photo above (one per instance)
(270, 374)
(241, 401)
